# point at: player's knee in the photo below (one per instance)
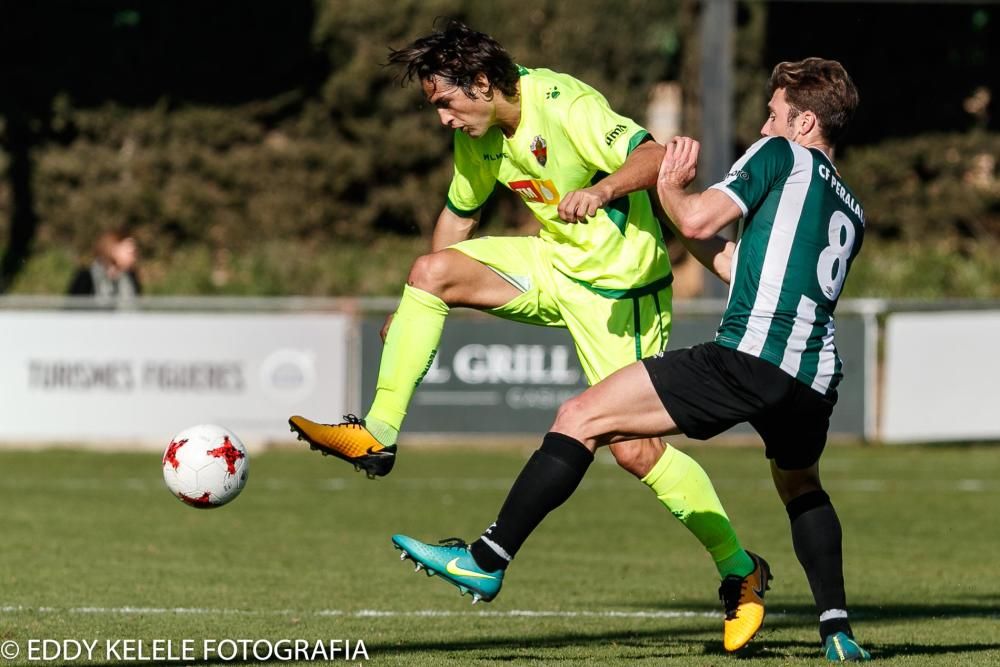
(430, 273)
(635, 456)
(791, 484)
(572, 418)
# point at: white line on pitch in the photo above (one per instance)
(364, 613)
(420, 613)
(337, 484)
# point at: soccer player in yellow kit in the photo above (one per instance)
(598, 267)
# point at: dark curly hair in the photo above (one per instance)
(458, 54)
(821, 86)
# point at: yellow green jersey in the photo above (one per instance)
(568, 139)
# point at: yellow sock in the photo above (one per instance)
(684, 487)
(410, 346)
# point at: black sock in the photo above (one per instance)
(816, 536)
(548, 478)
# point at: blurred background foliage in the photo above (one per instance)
(261, 147)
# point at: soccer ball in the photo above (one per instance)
(205, 466)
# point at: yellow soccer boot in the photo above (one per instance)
(350, 441)
(743, 598)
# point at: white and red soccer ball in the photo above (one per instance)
(205, 466)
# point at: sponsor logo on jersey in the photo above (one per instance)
(552, 93)
(613, 135)
(493, 157)
(738, 173)
(536, 190)
(540, 150)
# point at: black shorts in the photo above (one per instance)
(709, 388)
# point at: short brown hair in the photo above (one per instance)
(821, 86)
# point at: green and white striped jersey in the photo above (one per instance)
(801, 229)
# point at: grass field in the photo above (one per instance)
(94, 548)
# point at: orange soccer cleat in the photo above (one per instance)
(350, 441)
(743, 598)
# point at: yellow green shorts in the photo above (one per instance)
(609, 333)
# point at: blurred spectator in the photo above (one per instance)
(111, 275)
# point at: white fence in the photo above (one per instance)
(131, 378)
(139, 377)
(942, 376)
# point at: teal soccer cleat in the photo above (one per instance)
(453, 562)
(839, 647)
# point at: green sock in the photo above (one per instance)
(410, 346)
(684, 487)
(384, 433)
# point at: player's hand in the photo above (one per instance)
(385, 327)
(679, 165)
(579, 205)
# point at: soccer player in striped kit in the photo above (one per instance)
(773, 362)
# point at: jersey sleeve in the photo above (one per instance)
(602, 138)
(472, 183)
(751, 177)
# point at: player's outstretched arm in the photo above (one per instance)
(696, 216)
(715, 254)
(638, 172)
(452, 228)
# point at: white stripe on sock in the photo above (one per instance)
(499, 551)
(831, 614)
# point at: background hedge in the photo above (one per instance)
(263, 148)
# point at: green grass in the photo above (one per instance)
(94, 547)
